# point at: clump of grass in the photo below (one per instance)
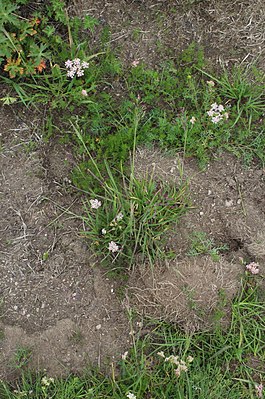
(22, 357)
(129, 216)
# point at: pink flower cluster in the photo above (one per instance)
(76, 67)
(217, 113)
(259, 390)
(113, 247)
(253, 268)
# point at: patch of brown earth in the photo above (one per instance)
(228, 206)
(150, 31)
(50, 290)
(59, 304)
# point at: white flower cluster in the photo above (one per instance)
(76, 67)
(117, 219)
(95, 203)
(217, 113)
(181, 364)
(47, 381)
(113, 247)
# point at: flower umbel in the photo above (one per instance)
(259, 390)
(135, 63)
(76, 67)
(210, 83)
(113, 247)
(124, 356)
(46, 381)
(119, 217)
(182, 366)
(131, 395)
(217, 113)
(95, 203)
(253, 268)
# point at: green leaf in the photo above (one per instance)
(8, 100)
(7, 15)
(90, 22)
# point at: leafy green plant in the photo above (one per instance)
(22, 357)
(21, 49)
(202, 245)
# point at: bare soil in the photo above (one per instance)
(55, 301)
(56, 298)
(151, 31)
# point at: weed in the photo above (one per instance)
(77, 336)
(21, 51)
(202, 245)
(22, 357)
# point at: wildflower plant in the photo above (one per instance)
(180, 365)
(76, 68)
(134, 213)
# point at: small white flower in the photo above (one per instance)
(85, 65)
(95, 203)
(70, 74)
(172, 359)
(47, 381)
(119, 217)
(190, 359)
(211, 112)
(79, 73)
(226, 115)
(113, 247)
(124, 356)
(220, 108)
(193, 120)
(259, 390)
(68, 64)
(135, 63)
(84, 93)
(210, 83)
(131, 395)
(214, 106)
(104, 231)
(161, 354)
(217, 118)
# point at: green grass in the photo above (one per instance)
(170, 96)
(226, 364)
(21, 357)
(128, 216)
